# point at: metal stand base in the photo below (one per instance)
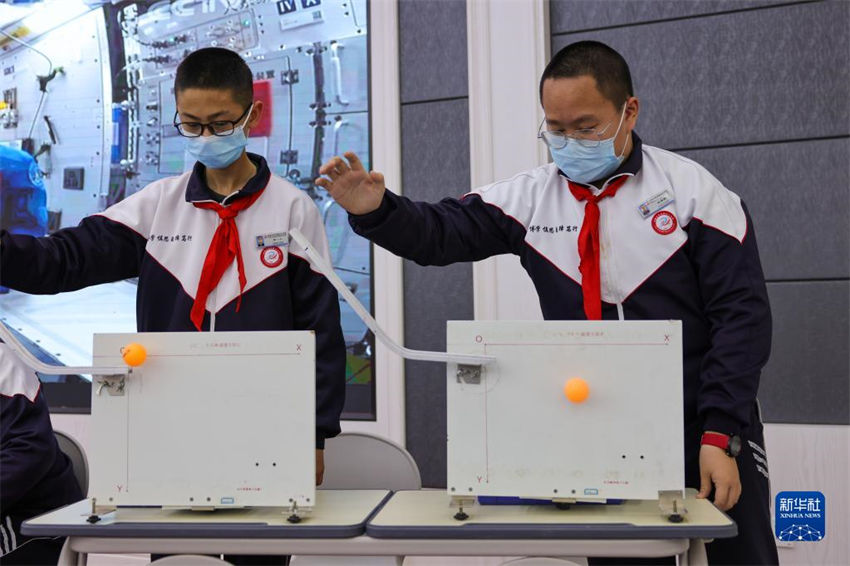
(672, 505)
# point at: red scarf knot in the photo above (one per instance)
(588, 244)
(224, 247)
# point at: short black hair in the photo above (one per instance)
(216, 68)
(597, 60)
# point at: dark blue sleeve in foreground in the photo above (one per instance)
(99, 250)
(736, 306)
(35, 476)
(446, 232)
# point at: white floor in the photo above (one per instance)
(63, 324)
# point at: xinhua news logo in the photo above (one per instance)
(800, 516)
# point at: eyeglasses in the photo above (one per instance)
(586, 138)
(217, 128)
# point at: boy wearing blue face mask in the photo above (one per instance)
(209, 247)
(616, 229)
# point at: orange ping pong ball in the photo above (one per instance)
(134, 354)
(576, 390)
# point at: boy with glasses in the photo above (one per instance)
(615, 229)
(209, 247)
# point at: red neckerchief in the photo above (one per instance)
(223, 248)
(588, 245)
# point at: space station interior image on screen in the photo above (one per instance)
(87, 119)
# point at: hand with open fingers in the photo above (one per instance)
(718, 470)
(356, 190)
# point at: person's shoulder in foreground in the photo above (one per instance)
(35, 475)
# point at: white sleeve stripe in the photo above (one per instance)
(4, 545)
(12, 532)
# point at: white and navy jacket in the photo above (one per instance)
(692, 257)
(159, 236)
(35, 475)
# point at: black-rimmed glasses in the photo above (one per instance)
(216, 128)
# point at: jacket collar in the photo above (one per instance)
(197, 189)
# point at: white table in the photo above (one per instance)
(631, 529)
(338, 517)
(409, 523)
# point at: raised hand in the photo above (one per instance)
(356, 190)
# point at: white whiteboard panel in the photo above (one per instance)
(516, 433)
(210, 419)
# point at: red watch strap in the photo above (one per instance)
(715, 439)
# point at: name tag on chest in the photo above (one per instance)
(279, 239)
(655, 203)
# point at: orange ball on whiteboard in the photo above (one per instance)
(134, 354)
(576, 390)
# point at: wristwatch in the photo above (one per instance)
(731, 444)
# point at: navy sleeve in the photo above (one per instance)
(26, 447)
(316, 307)
(736, 307)
(450, 231)
(99, 250)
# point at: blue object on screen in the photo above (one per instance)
(23, 199)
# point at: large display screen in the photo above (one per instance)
(103, 124)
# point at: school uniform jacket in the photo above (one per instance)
(159, 236)
(35, 475)
(692, 258)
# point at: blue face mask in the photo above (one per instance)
(218, 152)
(586, 164)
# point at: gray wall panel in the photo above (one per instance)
(760, 75)
(576, 15)
(425, 384)
(435, 159)
(754, 93)
(433, 295)
(797, 195)
(433, 49)
(435, 149)
(807, 379)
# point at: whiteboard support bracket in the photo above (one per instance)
(461, 501)
(297, 513)
(469, 374)
(113, 383)
(672, 505)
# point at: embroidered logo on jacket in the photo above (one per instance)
(170, 238)
(664, 223)
(271, 256)
(552, 229)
